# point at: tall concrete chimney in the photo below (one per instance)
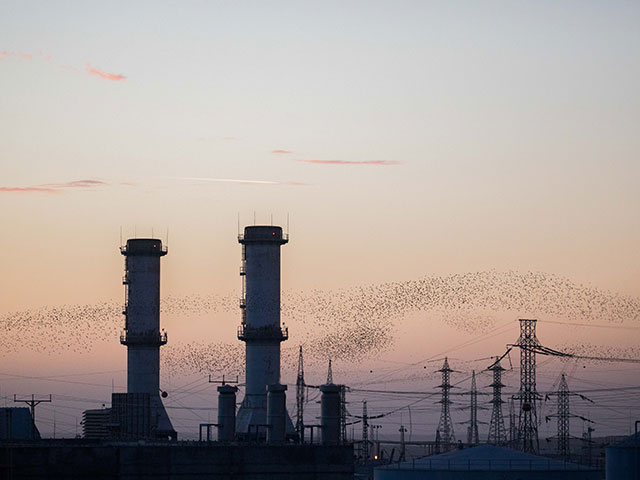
(260, 328)
(142, 335)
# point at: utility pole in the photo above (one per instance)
(403, 447)
(586, 437)
(497, 433)
(32, 402)
(472, 437)
(300, 399)
(445, 426)
(528, 395)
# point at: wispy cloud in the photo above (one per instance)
(237, 180)
(76, 184)
(352, 162)
(115, 77)
(28, 190)
(54, 187)
(281, 152)
(107, 76)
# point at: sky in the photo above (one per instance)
(398, 140)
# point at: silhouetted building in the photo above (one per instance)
(486, 462)
(623, 458)
(16, 424)
(95, 423)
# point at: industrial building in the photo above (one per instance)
(135, 438)
(623, 458)
(16, 423)
(181, 460)
(485, 462)
(95, 423)
(255, 438)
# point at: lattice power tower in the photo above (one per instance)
(445, 425)
(472, 434)
(563, 418)
(300, 398)
(528, 395)
(497, 431)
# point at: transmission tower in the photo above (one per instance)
(445, 426)
(300, 399)
(472, 433)
(513, 429)
(563, 416)
(365, 433)
(329, 374)
(343, 414)
(497, 432)
(528, 424)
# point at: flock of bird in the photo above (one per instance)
(347, 324)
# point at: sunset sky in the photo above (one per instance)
(401, 139)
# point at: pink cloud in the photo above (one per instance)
(115, 77)
(107, 76)
(352, 162)
(27, 190)
(281, 152)
(54, 187)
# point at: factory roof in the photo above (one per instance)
(630, 441)
(487, 457)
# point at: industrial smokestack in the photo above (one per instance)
(142, 335)
(276, 413)
(260, 328)
(330, 414)
(227, 413)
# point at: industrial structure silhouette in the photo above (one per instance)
(259, 439)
